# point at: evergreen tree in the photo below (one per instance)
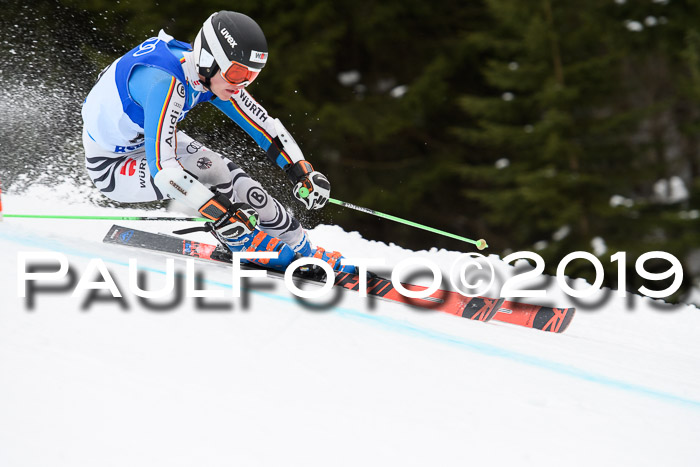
(552, 134)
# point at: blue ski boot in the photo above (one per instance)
(334, 259)
(259, 241)
(239, 232)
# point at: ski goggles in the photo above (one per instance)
(238, 74)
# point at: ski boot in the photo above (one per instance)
(259, 241)
(238, 232)
(334, 259)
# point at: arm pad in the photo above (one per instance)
(283, 144)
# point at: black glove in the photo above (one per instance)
(310, 187)
(230, 220)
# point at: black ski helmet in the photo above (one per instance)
(227, 37)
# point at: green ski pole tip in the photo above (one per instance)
(481, 244)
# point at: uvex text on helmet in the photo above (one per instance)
(228, 37)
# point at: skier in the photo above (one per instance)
(135, 153)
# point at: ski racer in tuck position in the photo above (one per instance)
(135, 153)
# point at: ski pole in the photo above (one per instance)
(107, 218)
(480, 244)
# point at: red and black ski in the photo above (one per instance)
(539, 317)
(474, 308)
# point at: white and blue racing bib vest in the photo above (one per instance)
(112, 118)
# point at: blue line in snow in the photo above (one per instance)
(410, 329)
(494, 351)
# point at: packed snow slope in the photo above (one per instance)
(86, 380)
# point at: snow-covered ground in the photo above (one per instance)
(272, 383)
